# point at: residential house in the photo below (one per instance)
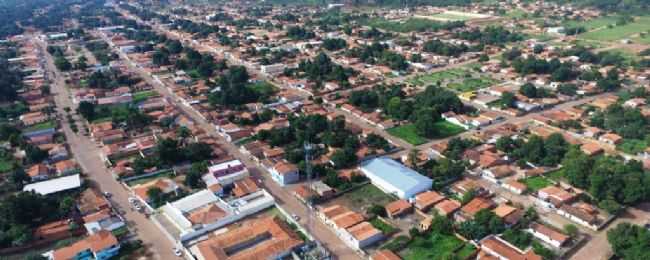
(611, 138)
(100, 246)
(164, 184)
(398, 208)
(285, 173)
(493, 247)
(515, 186)
(468, 211)
(38, 172)
(427, 199)
(548, 235)
(66, 167)
(447, 207)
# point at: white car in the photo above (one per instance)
(107, 194)
(138, 207)
(132, 200)
(178, 252)
(295, 217)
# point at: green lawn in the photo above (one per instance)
(437, 246)
(536, 183)
(40, 126)
(410, 25)
(615, 33)
(446, 129)
(556, 175)
(407, 133)
(365, 196)
(436, 77)
(383, 226)
(6, 165)
(632, 146)
(144, 95)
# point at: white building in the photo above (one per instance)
(225, 173)
(203, 212)
(395, 178)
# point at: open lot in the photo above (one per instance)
(454, 16)
(363, 197)
(435, 246)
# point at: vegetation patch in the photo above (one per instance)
(383, 226)
(632, 146)
(366, 195)
(40, 126)
(407, 133)
(642, 24)
(437, 246)
(536, 183)
(144, 95)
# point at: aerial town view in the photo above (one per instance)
(324, 129)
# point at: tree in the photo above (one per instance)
(344, 158)
(629, 241)
(193, 177)
(169, 151)
(87, 110)
(507, 100)
(66, 205)
(483, 58)
(197, 152)
(571, 230)
(18, 178)
(443, 225)
(156, 196)
(81, 63)
(468, 196)
(376, 210)
(62, 63)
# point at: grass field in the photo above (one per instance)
(437, 246)
(40, 126)
(365, 196)
(446, 129)
(436, 77)
(556, 175)
(410, 25)
(536, 183)
(471, 84)
(642, 24)
(144, 95)
(407, 133)
(593, 23)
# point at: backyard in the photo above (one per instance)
(435, 246)
(144, 95)
(632, 146)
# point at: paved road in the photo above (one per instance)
(86, 154)
(283, 197)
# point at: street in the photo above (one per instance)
(87, 156)
(283, 197)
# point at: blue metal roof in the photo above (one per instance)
(395, 173)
